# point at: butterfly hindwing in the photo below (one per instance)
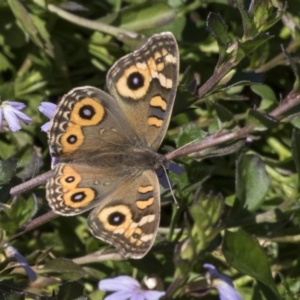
(130, 220)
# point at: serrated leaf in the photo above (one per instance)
(217, 27)
(260, 121)
(245, 254)
(252, 182)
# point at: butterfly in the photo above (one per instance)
(106, 147)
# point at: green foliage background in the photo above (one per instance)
(236, 118)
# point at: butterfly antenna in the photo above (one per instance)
(170, 186)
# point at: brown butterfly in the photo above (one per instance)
(106, 147)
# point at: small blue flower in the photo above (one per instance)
(222, 283)
(47, 109)
(12, 252)
(11, 111)
(127, 288)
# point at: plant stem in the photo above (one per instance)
(21, 188)
(94, 25)
(36, 223)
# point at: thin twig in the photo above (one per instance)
(98, 256)
(290, 102)
(36, 223)
(19, 189)
(212, 140)
(94, 25)
(213, 80)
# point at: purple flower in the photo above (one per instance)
(47, 109)
(222, 283)
(12, 114)
(127, 288)
(12, 252)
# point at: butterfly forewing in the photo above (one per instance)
(144, 83)
(88, 119)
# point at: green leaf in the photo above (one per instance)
(225, 117)
(7, 169)
(296, 150)
(41, 27)
(261, 121)
(263, 16)
(138, 17)
(259, 17)
(268, 98)
(5, 221)
(252, 182)
(217, 27)
(238, 77)
(189, 134)
(149, 263)
(250, 45)
(27, 23)
(183, 101)
(294, 67)
(245, 254)
(248, 26)
(66, 269)
(28, 83)
(70, 290)
(206, 211)
(296, 122)
(5, 63)
(29, 209)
